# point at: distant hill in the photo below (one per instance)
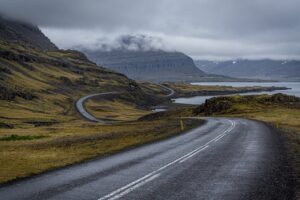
(24, 34)
(280, 70)
(153, 65)
(37, 85)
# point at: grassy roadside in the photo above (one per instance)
(281, 111)
(115, 110)
(25, 151)
(40, 128)
(153, 89)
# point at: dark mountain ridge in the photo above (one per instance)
(25, 34)
(33, 69)
(280, 70)
(152, 65)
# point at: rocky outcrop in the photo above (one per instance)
(24, 34)
(214, 105)
(9, 94)
(223, 105)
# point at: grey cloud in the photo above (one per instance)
(127, 42)
(201, 28)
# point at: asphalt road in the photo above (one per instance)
(85, 114)
(222, 159)
(171, 91)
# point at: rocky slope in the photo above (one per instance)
(40, 86)
(280, 70)
(153, 65)
(24, 34)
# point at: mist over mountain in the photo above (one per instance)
(33, 68)
(25, 34)
(144, 58)
(281, 70)
(128, 43)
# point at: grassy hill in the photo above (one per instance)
(43, 86)
(40, 128)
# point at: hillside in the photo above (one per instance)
(24, 34)
(39, 86)
(40, 128)
(255, 69)
(152, 65)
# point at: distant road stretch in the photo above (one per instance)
(171, 91)
(84, 113)
(230, 159)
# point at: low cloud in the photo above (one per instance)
(215, 29)
(129, 43)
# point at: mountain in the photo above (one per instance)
(280, 70)
(152, 65)
(24, 34)
(39, 86)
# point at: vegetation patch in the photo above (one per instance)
(76, 141)
(10, 94)
(188, 90)
(42, 123)
(21, 137)
(4, 125)
(115, 109)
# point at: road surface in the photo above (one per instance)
(222, 159)
(85, 114)
(171, 91)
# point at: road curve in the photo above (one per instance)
(85, 114)
(171, 91)
(222, 159)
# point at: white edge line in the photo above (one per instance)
(134, 187)
(183, 160)
(219, 138)
(111, 195)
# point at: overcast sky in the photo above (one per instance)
(209, 29)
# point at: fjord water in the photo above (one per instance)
(294, 90)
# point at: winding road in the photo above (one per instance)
(225, 158)
(85, 114)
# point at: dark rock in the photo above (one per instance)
(214, 105)
(11, 94)
(24, 34)
(4, 125)
(4, 70)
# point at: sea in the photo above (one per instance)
(197, 100)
